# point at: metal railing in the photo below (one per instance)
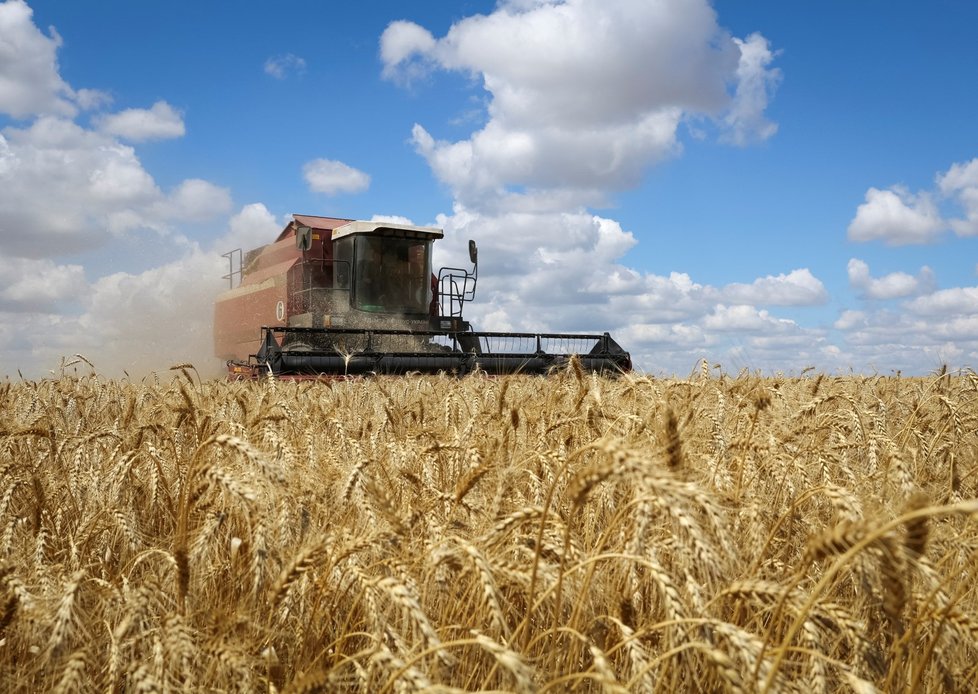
(457, 285)
(232, 273)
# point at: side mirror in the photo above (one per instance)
(473, 252)
(303, 238)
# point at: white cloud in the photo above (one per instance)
(159, 122)
(252, 227)
(639, 69)
(63, 184)
(89, 99)
(896, 217)
(928, 328)
(334, 177)
(66, 188)
(554, 259)
(756, 82)
(745, 319)
(959, 329)
(914, 336)
(38, 285)
(281, 66)
(895, 285)
(582, 165)
(197, 200)
(673, 335)
(29, 79)
(850, 319)
(120, 179)
(961, 183)
(797, 288)
(946, 302)
(665, 299)
(400, 43)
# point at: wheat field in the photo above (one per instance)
(723, 532)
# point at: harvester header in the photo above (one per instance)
(335, 297)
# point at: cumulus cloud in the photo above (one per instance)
(665, 299)
(251, 227)
(65, 188)
(918, 329)
(281, 66)
(919, 332)
(159, 122)
(401, 43)
(639, 70)
(585, 96)
(196, 200)
(68, 189)
(334, 177)
(742, 318)
(553, 145)
(551, 264)
(797, 288)
(892, 286)
(39, 286)
(960, 183)
(850, 319)
(675, 335)
(888, 340)
(896, 217)
(29, 79)
(756, 82)
(946, 302)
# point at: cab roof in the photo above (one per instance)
(387, 229)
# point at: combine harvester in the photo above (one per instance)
(338, 297)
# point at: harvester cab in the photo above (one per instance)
(333, 297)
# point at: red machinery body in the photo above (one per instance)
(269, 288)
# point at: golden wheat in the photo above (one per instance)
(716, 533)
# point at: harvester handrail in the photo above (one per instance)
(452, 277)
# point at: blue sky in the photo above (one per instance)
(767, 185)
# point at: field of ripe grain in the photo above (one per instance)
(718, 533)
